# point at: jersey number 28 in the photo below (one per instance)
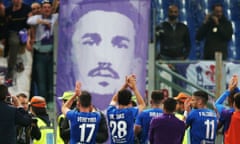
(119, 128)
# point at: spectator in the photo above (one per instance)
(174, 39)
(43, 50)
(11, 116)
(3, 29)
(38, 109)
(167, 129)
(231, 136)
(202, 121)
(173, 36)
(36, 10)
(217, 32)
(26, 134)
(84, 121)
(121, 114)
(17, 15)
(144, 118)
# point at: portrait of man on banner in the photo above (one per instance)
(100, 43)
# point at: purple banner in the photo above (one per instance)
(100, 42)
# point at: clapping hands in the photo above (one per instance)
(77, 89)
(131, 81)
(233, 83)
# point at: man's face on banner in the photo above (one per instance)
(103, 48)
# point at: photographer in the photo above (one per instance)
(26, 134)
(12, 115)
(217, 32)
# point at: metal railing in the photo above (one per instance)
(159, 78)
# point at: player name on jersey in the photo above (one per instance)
(155, 114)
(86, 119)
(207, 114)
(117, 116)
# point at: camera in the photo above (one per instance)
(211, 18)
(8, 99)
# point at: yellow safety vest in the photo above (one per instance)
(58, 137)
(185, 139)
(47, 135)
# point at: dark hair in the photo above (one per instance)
(237, 100)
(157, 96)
(85, 99)
(170, 105)
(124, 97)
(3, 92)
(202, 95)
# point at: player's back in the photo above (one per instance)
(84, 126)
(203, 126)
(121, 122)
(144, 119)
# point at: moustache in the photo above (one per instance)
(103, 70)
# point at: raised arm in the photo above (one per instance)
(67, 106)
(22, 117)
(36, 20)
(55, 5)
(133, 85)
(232, 87)
(114, 100)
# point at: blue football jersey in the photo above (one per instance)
(203, 126)
(121, 122)
(144, 119)
(84, 126)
